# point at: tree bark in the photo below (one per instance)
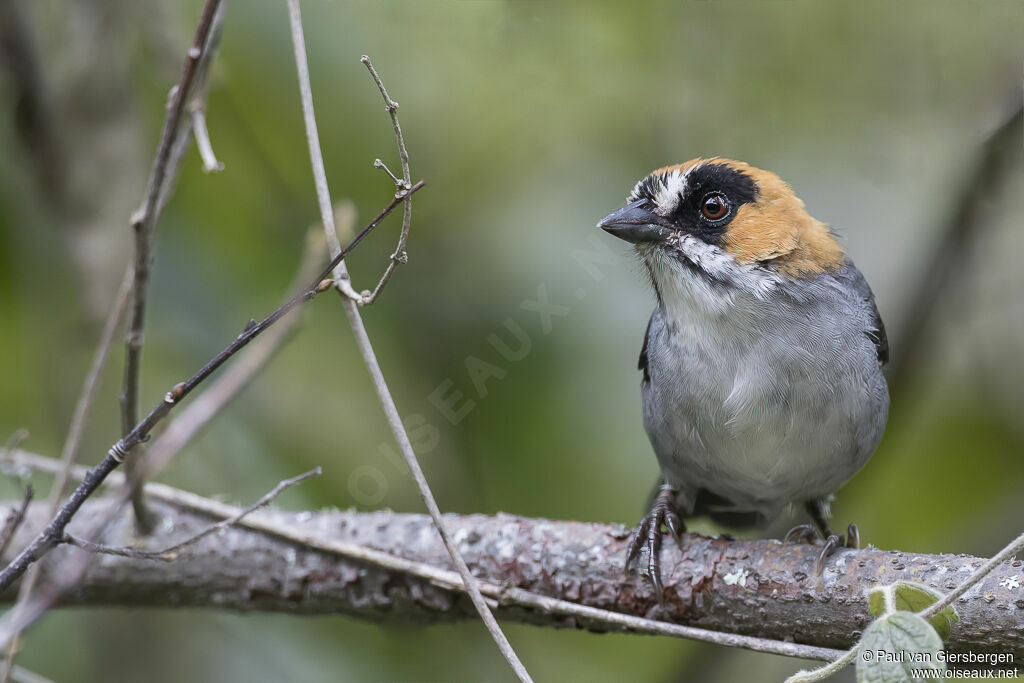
(758, 588)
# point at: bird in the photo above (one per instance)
(762, 364)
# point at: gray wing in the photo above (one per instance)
(876, 333)
(642, 364)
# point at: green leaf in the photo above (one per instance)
(895, 644)
(913, 597)
(876, 601)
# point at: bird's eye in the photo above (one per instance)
(714, 206)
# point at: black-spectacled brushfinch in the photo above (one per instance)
(762, 362)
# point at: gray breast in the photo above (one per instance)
(779, 399)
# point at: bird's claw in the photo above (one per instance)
(802, 533)
(852, 537)
(832, 543)
(808, 533)
(648, 535)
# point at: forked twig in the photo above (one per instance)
(54, 531)
(403, 183)
(366, 349)
(203, 408)
(171, 553)
(144, 220)
(15, 519)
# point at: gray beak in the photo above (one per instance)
(637, 223)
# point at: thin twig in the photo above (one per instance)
(202, 136)
(171, 553)
(203, 408)
(198, 101)
(824, 672)
(366, 350)
(209, 402)
(403, 183)
(22, 675)
(69, 451)
(226, 386)
(377, 163)
(306, 536)
(197, 107)
(143, 224)
(15, 519)
(86, 398)
(54, 531)
(191, 420)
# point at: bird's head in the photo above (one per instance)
(724, 221)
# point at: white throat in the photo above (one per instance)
(710, 283)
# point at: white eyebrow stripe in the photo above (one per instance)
(668, 188)
(670, 192)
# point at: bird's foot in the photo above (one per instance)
(648, 535)
(802, 533)
(809, 533)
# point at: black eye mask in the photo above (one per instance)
(710, 187)
(707, 186)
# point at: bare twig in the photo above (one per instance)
(403, 183)
(821, 673)
(204, 408)
(191, 420)
(143, 222)
(14, 519)
(198, 101)
(197, 107)
(170, 554)
(22, 675)
(188, 424)
(54, 531)
(69, 451)
(366, 350)
(377, 163)
(16, 515)
(202, 136)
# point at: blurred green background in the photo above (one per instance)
(530, 121)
